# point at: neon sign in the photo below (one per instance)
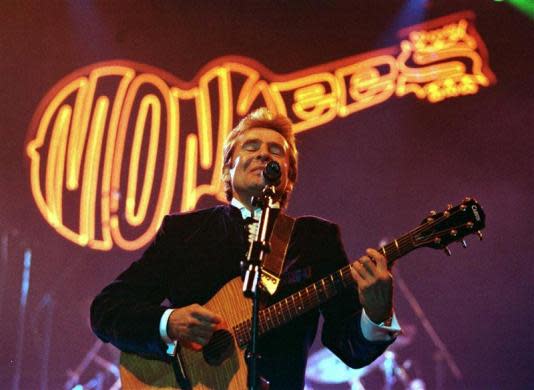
(107, 139)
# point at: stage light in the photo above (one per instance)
(525, 6)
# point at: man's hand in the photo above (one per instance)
(375, 285)
(193, 324)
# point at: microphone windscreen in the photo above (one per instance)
(272, 173)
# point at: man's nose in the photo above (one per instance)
(264, 154)
(264, 157)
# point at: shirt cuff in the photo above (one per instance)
(171, 345)
(379, 332)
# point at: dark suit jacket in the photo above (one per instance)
(195, 254)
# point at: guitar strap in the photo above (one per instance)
(273, 263)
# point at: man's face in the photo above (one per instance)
(253, 150)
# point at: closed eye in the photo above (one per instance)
(251, 145)
(276, 149)
(254, 145)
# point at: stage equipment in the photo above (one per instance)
(24, 288)
(258, 250)
(99, 378)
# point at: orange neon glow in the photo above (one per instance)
(109, 134)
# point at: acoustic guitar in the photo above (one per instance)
(221, 364)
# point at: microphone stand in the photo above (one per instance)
(441, 349)
(257, 251)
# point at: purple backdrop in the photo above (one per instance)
(377, 172)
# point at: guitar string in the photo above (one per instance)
(281, 312)
(284, 311)
(312, 299)
(287, 306)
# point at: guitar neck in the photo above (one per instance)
(315, 294)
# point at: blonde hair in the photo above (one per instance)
(264, 118)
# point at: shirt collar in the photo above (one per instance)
(246, 213)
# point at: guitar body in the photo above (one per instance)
(221, 364)
(230, 373)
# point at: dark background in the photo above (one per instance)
(376, 173)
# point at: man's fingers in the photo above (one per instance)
(378, 259)
(201, 324)
(203, 314)
(360, 272)
(366, 266)
(369, 265)
(201, 332)
(199, 340)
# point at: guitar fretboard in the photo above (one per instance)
(315, 294)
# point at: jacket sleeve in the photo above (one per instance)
(342, 332)
(127, 312)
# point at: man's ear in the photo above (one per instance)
(226, 173)
(289, 188)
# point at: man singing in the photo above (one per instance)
(195, 254)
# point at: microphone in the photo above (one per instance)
(272, 173)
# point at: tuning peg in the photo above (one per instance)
(467, 199)
(464, 244)
(479, 234)
(433, 212)
(449, 206)
(454, 232)
(447, 251)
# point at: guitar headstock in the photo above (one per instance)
(440, 229)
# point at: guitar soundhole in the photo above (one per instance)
(220, 348)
